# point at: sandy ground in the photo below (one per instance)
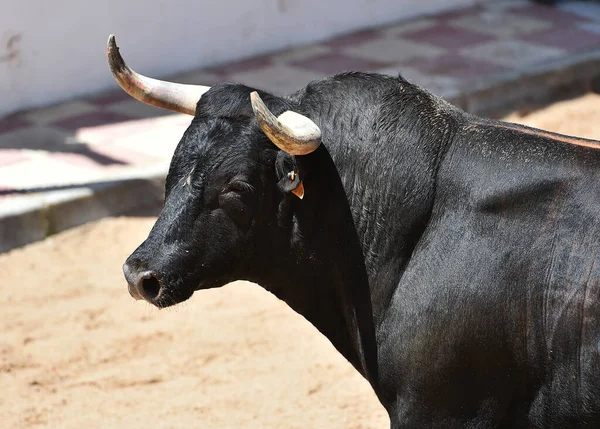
(76, 351)
(579, 117)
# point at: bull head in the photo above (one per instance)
(232, 178)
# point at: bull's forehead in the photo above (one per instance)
(218, 148)
(208, 139)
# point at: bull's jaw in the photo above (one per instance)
(168, 297)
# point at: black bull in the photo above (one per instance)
(452, 260)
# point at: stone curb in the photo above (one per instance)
(38, 216)
(531, 87)
(34, 219)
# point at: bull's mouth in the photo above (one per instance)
(177, 292)
(168, 300)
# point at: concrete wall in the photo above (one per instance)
(52, 50)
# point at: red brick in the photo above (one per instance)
(12, 123)
(335, 63)
(559, 18)
(83, 160)
(92, 119)
(454, 65)
(352, 39)
(108, 98)
(571, 39)
(448, 37)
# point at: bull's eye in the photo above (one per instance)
(239, 187)
(197, 183)
(237, 200)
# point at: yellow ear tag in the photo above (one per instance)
(299, 190)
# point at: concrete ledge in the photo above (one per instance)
(34, 217)
(531, 87)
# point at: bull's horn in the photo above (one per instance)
(172, 96)
(291, 132)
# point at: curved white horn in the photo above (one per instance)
(167, 95)
(291, 132)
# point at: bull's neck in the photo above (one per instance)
(387, 159)
(321, 272)
(322, 296)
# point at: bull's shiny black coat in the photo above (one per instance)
(452, 260)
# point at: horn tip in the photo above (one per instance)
(255, 98)
(258, 106)
(115, 61)
(111, 42)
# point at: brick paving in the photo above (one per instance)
(105, 136)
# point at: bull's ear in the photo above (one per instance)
(289, 175)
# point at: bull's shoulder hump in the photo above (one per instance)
(561, 138)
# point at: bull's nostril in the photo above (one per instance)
(151, 287)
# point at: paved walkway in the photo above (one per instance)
(111, 137)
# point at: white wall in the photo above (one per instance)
(52, 50)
